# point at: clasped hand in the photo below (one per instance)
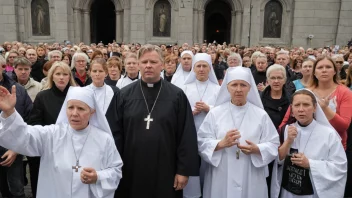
(201, 106)
(229, 140)
(300, 159)
(89, 176)
(251, 148)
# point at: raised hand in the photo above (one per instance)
(291, 133)
(7, 100)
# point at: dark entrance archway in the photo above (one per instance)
(103, 21)
(217, 22)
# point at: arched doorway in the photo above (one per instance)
(103, 21)
(217, 23)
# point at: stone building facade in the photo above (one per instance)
(307, 23)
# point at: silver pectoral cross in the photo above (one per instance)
(76, 167)
(148, 120)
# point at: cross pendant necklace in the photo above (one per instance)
(77, 166)
(148, 119)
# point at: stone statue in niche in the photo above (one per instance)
(162, 19)
(40, 18)
(272, 19)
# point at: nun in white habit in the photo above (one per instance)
(238, 140)
(78, 154)
(312, 162)
(183, 70)
(201, 88)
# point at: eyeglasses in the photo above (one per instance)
(339, 62)
(12, 56)
(273, 78)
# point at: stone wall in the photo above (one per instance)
(8, 27)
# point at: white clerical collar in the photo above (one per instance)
(80, 132)
(235, 107)
(310, 127)
(202, 82)
(97, 88)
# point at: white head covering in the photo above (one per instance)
(85, 95)
(320, 116)
(239, 73)
(179, 70)
(202, 57)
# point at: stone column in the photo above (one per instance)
(238, 26)
(86, 29)
(195, 26)
(201, 26)
(119, 27)
(233, 27)
(77, 24)
(126, 25)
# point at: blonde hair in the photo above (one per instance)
(65, 68)
(150, 48)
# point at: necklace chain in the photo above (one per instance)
(201, 97)
(145, 100)
(77, 159)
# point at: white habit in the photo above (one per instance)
(103, 96)
(124, 81)
(327, 160)
(206, 92)
(226, 176)
(180, 76)
(53, 143)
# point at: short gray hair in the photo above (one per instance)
(236, 56)
(276, 67)
(76, 55)
(283, 52)
(21, 61)
(255, 55)
(54, 52)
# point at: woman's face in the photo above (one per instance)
(324, 71)
(303, 108)
(11, 58)
(40, 51)
(232, 62)
(307, 68)
(349, 58)
(131, 66)
(170, 67)
(114, 71)
(276, 80)
(61, 78)
(238, 90)
(339, 63)
(78, 114)
(80, 63)
(261, 64)
(66, 60)
(97, 74)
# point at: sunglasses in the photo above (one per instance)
(339, 62)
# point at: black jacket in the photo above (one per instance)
(47, 106)
(276, 108)
(219, 69)
(23, 101)
(37, 70)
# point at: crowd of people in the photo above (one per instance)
(204, 120)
